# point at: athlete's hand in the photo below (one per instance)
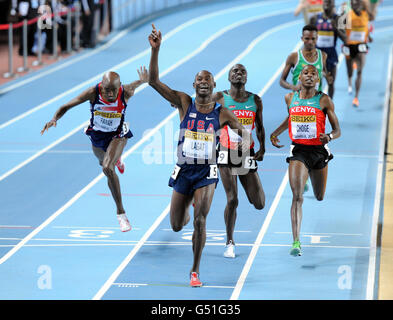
(49, 124)
(275, 141)
(155, 38)
(259, 154)
(329, 78)
(324, 138)
(143, 74)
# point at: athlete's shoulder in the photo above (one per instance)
(292, 58)
(325, 101)
(218, 95)
(288, 97)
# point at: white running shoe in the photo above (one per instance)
(229, 250)
(350, 90)
(124, 223)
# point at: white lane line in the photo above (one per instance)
(42, 151)
(135, 285)
(378, 191)
(131, 255)
(171, 68)
(258, 241)
(128, 61)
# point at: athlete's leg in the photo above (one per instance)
(318, 180)
(349, 62)
(298, 175)
(360, 61)
(179, 211)
(202, 198)
(253, 187)
(99, 153)
(112, 154)
(229, 182)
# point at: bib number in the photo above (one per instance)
(222, 157)
(213, 172)
(175, 172)
(250, 163)
(346, 51)
(362, 48)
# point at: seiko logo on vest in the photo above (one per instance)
(303, 109)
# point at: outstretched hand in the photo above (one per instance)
(143, 74)
(49, 124)
(155, 38)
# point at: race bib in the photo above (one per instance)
(175, 172)
(198, 145)
(222, 157)
(106, 121)
(250, 163)
(325, 41)
(358, 36)
(213, 172)
(346, 51)
(362, 48)
(304, 127)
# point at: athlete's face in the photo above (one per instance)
(309, 39)
(356, 5)
(309, 76)
(328, 6)
(204, 83)
(110, 90)
(237, 74)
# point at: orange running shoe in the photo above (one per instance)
(120, 166)
(195, 282)
(354, 66)
(355, 102)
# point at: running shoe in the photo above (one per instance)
(124, 223)
(120, 166)
(350, 89)
(355, 102)
(229, 250)
(296, 249)
(195, 282)
(354, 66)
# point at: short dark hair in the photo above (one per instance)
(309, 27)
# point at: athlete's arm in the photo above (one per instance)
(368, 10)
(228, 118)
(328, 105)
(177, 98)
(87, 95)
(129, 89)
(340, 32)
(289, 64)
(326, 74)
(283, 126)
(259, 129)
(302, 4)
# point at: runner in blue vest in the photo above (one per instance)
(328, 32)
(196, 174)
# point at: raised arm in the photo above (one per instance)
(259, 129)
(87, 95)
(129, 89)
(177, 98)
(328, 105)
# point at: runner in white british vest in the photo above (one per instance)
(195, 175)
(107, 131)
